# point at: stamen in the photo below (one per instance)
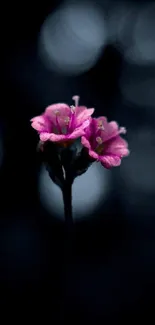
(100, 125)
(99, 148)
(72, 108)
(99, 140)
(76, 99)
(64, 129)
(122, 130)
(67, 120)
(57, 112)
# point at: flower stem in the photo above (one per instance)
(69, 227)
(67, 198)
(68, 242)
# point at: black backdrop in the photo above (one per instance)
(111, 276)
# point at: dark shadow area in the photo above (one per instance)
(111, 275)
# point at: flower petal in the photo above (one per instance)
(58, 137)
(109, 161)
(44, 136)
(93, 154)
(82, 113)
(85, 142)
(117, 146)
(60, 116)
(40, 123)
(77, 133)
(108, 130)
(63, 109)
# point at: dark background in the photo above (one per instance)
(111, 275)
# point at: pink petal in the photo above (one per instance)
(64, 110)
(102, 120)
(93, 154)
(109, 161)
(58, 114)
(85, 123)
(91, 129)
(58, 137)
(44, 136)
(117, 146)
(82, 113)
(40, 123)
(79, 110)
(77, 133)
(110, 130)
(85, 142)
(53, 137)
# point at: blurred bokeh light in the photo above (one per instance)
(72, 38)
(142, 47)
(120, 21)
(131, 28)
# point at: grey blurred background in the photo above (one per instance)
(103, 51)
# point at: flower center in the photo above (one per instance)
(67, 120)
(62, 124)
(57, 113)
(99, 147)
(57, 128)
(66, 125)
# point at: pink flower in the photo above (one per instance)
(62, 123)
(103, 142)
